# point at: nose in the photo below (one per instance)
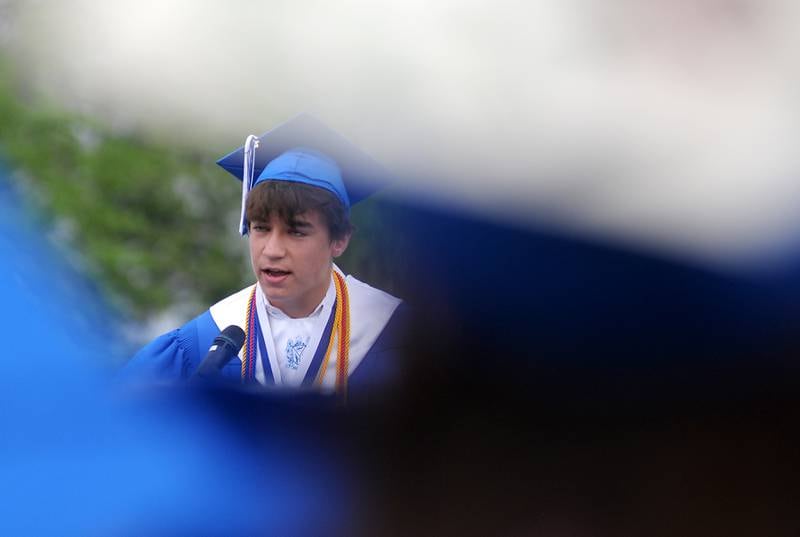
(274, 246)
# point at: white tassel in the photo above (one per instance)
(248, 166)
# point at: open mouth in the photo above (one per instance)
(275, 273)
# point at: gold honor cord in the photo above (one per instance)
(341, 333)
(248, 355)
(343, 371)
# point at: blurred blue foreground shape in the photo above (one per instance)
(78, 459)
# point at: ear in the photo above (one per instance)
(338, 246)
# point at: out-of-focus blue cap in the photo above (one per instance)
(305, 150)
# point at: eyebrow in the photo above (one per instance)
(297, 224)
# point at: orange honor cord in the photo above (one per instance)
(342, 366)
(341, 334)
(337, 321)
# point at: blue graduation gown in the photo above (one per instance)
(175, 355)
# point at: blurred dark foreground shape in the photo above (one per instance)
(568, 388)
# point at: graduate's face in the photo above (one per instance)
(292, 261)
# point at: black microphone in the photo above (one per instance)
(225, 346)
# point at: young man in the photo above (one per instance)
(307, 325)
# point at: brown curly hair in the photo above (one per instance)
(288, 200)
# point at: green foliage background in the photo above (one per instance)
(154, 226)
(138, 213)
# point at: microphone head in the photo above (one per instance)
(224, 348)
(232, 336)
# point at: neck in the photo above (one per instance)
(297, 311)
(303, 306)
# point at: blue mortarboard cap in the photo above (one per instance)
(305, 150)
(305, 165)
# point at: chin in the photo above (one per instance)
(271, 292)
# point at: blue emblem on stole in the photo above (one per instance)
(294, 350)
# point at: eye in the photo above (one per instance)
(261, 228)
(297, 233)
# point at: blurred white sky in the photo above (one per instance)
(668, 124)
